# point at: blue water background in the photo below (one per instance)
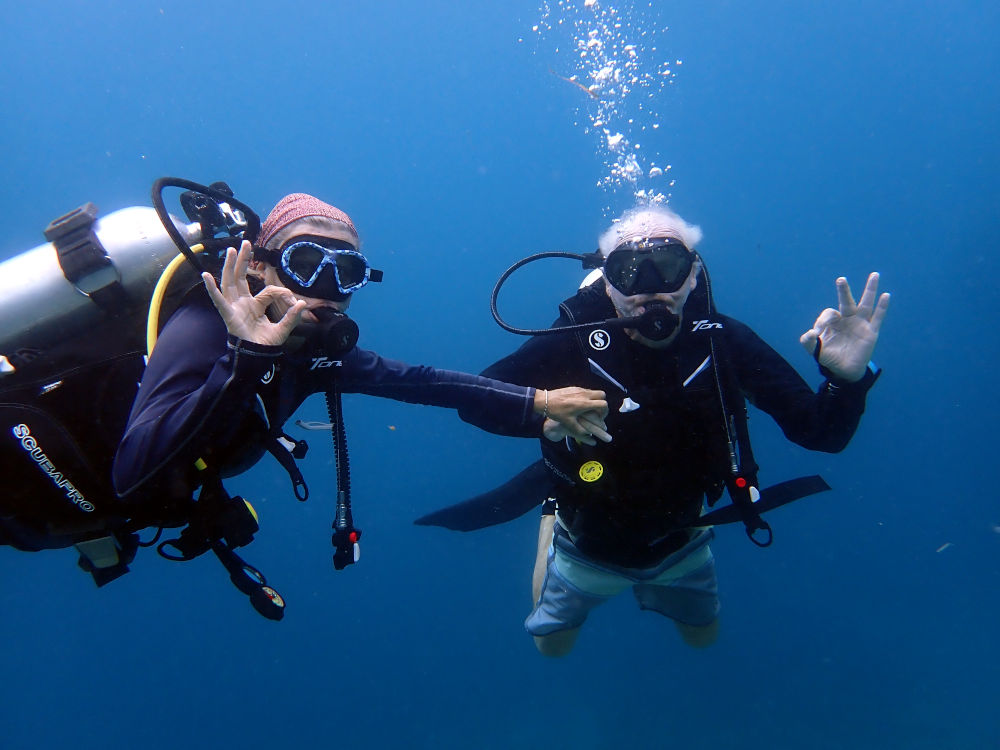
(808, 139)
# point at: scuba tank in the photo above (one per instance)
(94, 274)
(72, 315)
(74, 330)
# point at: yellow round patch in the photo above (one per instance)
(591, 471)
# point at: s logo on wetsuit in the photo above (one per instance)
(599, 340)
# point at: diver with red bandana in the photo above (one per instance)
(230, 367)
(134, 379)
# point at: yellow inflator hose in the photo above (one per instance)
(159, 292)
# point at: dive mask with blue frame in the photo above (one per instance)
(327, 269)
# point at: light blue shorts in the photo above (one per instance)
(683, 587)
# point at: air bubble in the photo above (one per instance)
(619, 52)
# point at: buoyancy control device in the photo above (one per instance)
(77, 317)
(531, 487)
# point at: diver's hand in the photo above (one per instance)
(846, 337)
(589, 426)
(244, 314)
(577, 412)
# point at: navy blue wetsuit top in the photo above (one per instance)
(823, 420)
(669, 454)
(208, 395)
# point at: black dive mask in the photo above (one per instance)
(333, 336)
(663, 264)
(650, 266)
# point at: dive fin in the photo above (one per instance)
(533, 485)
(770, 498)
(510, 500)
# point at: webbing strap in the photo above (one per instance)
(81, 255)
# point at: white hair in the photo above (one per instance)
(644, 222)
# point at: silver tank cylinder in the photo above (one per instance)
(40, 308)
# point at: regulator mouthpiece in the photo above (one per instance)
(658, 322)
(333, 336)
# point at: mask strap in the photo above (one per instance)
(267, 255)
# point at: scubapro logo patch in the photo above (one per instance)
(23, 433)
(599, 340)
(269, 375)
(591, 471)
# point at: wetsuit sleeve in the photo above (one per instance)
(197, 383)
(536, 364)
(489, 404)
(542, 361)
(823, 420)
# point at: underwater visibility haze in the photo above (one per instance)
(808, 140)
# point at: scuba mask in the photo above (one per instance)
(333, 270)
(649, 266)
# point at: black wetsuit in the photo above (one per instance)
(671, 452)
(206, 395)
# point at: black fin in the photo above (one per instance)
(510, 500)
(770, 498)
(529, 489)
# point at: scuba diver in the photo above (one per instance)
(233, 360)
(228, 370)
(630, 513)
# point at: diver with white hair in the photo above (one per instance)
(631, 513)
